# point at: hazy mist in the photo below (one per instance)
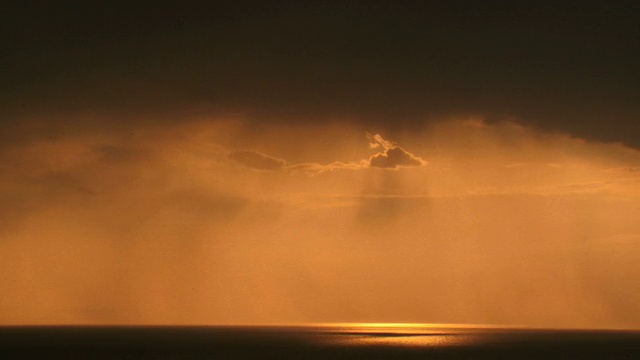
(217, 221)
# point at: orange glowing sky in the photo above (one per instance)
(293, 163)
(495, 224)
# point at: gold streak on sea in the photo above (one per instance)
(400, 334)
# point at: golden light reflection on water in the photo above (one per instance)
(402, 340)
(401, 334)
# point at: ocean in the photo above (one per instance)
(354, 341)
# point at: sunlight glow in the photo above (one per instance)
(199, 223)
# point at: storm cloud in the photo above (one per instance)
(562, 67)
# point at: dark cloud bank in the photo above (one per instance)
(569, 67)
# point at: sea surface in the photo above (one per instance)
(345, 341)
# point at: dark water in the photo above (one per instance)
(314, 342)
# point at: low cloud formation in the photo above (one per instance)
(256, 160)
(393, 156)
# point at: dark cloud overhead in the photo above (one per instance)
(569, 67)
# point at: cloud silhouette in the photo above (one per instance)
(392, 156)
(256, 160)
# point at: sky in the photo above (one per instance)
(304, 162)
